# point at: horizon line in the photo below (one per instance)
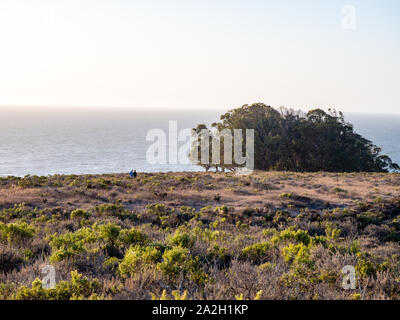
(108, 107)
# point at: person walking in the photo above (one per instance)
(133, 174)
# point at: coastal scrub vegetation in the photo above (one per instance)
(288, 240)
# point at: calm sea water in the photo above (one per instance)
(79, 141)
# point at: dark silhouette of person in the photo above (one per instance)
(133, 174)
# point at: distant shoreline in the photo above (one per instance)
(193, 172)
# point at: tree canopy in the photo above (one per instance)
(289, 140)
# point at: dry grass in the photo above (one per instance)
(229, 212)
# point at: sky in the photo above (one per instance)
(211, 54)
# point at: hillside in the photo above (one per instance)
(274, 235)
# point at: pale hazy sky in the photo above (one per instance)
(200, 53)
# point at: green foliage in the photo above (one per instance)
(301, 274)
(79, 287)
(223, 210)
(365, 266)
(176, 295)
(114, 209)
(32, 181)
(182, 239)
(157, 209)
(339, 190)
(18, 211)
(70, 244)
(298, 236)
(111, 264)
(131, 236)
(257, 252)
(286, 195)
(287, 140)
(218, 255)
(281, 216)
(91, 240)
(177, 262)
(137, 258)
(79, 213)
(370, 217)
(295, 254)
(16, 233)
(332, 233)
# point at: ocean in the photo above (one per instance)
(46, 141)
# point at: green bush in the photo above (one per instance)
(257, 252)
(111, 264)
(78, 288)
(182, 239)
(365, 265)
(297, 254)
(137, 258)
(109, 237)
(370, 217)
(219, 255)
(290, 234)
(178, 263)
(115, 210)
(70, 244)
(157, 209)
(16, 233)
(79, 213)
(18, 211)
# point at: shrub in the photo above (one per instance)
(297, 254)
(79, 213)
(157, 209)
(113, 209)
(370, 217)
(289, 234)
(365, 266)
(70, 244)
(219, 255)
(132, 236)
(339, 190)
(286, 195)
(138, 257)
(182, 239)
(18, 211)
(280, 216)
(10, 259)
(109, 237)
(223, 210)
(257, 252)
(332, 233)
(16, 233)
(301, 274)
(111, 264)
(160, 211)
(176, 295)
(79, 287)
(178, 263)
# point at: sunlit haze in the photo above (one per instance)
(200, 54)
